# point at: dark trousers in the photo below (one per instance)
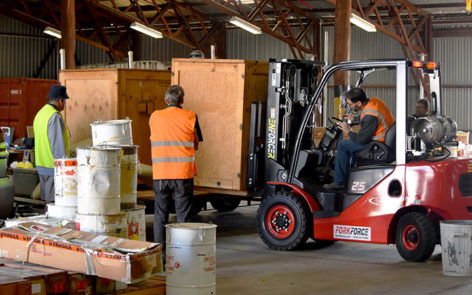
(179, 191)
(47, 188)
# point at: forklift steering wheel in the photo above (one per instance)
(330, 119)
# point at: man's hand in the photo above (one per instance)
(344, 127)
(349, 117)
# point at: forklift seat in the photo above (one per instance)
(377, 152)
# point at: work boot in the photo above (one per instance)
(333, 186)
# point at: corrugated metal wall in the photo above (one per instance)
(242, 44)
(456, 69)
(162, 49)
(21, 50)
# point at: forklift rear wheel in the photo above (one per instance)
(197, 206)
(284, 221)
(415, 237)
(225, 204)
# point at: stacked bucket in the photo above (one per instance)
(107, 183)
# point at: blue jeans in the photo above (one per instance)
(344, 156)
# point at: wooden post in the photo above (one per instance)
(136, 45)
(342, 50)
(221, 42)
(317, 40)
(68, 31)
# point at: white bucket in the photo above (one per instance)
(61, 212)
(65, 182)
(110, 225)
(190, 258)
(129, 176)
(136, 223)
(114, 132)
(98, 181)
(456, 244)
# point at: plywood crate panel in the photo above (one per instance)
(221, 92)
(111, 94)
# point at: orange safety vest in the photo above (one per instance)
(172, 143)
(377, 108)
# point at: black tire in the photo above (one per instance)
(323, 243)
(284, 221)
(197, 206)
(225, 204)
(415, 237)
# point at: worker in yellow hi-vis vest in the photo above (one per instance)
(51, 138)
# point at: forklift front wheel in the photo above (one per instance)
(283, 221)
(225, 204)
(415, 237)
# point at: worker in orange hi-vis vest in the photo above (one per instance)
(375, 120)
(175, 135)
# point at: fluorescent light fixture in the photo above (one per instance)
(53, 32)
(245, 25)
(362, 23)
(146, 30)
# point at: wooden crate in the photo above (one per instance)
(221, 92)
(20, 100)
(110, 94)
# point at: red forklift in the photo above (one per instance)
(396, 192)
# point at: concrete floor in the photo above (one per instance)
(245, 265)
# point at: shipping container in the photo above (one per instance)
(20, 100)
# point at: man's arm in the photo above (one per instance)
(195, 140)
(369, 125)
(197, 137)
(56, 136)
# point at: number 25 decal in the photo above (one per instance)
(358, 186)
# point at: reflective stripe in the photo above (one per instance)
(382, 120)
(379, 136)
(173, 160)
(172, 143)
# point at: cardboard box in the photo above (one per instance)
(124, 260)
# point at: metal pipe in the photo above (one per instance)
(212, 51)
(130, 60)
(62, 55)
(422, 58)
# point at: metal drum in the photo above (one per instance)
(190, 258)
(109, 225)
(98, 180)
(114, 132)
(129, 176)
(136, 223)
(65, 182)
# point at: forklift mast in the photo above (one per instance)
(292, 84)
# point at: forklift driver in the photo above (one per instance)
(375, 120)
